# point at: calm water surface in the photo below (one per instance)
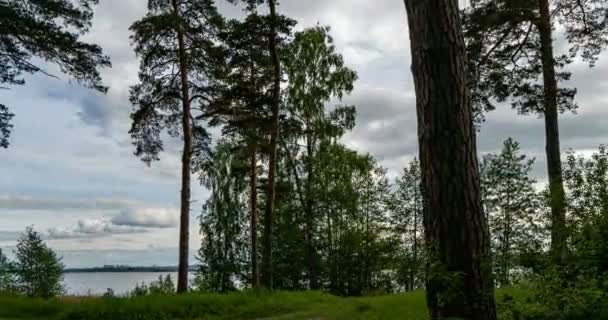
(96, 283)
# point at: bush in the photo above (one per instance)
(553, 295)
(161, 286)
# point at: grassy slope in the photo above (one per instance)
(277, 306)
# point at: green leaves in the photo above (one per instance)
(222, 221)
(317, 74)
(157, 99)
(39, 270)
(513, 208)
(49, 30)
(503, 46)
(5, 126)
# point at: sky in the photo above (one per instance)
(70, 170)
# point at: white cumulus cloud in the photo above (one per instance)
(147, 217)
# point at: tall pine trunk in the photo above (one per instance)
(253, 181)
(184, 221)
(272, 158)
(554, 163)
(454, 222)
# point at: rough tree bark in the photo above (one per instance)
(460, 283)
(184, 226)
(554, 163)
(272, 157)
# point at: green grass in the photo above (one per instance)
(262, 306)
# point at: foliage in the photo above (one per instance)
(577, 288)
(547, 296)
(109, 294)
(587, 182)
(514, 210)
(180, 63)
(316, 74)
(39, 271)
(517, 303)
(504, 50)
(406, 222)
(223, 218)
(157, 99)
(242, 106)
(5, 126)
(51, 31)
(162, 286)
(8, 283)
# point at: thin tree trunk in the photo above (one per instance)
(184, 221)
(454, 222)
(507, 239)
(272, 159)
(310, 247)
(414, 267)
(554, 163)
(253, 181)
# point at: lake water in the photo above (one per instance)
(96, 283)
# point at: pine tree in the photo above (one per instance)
(460, 280)
(513, 208)
(179, 60)
(242, 107)
(511, 45)
(51, 31)
(273, 47)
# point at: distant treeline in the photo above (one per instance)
(110, 268)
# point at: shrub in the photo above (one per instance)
(161, 286)
(553, 295)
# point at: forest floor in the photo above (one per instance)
(250, 306)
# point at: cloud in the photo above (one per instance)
(147, 217)
(13, 202)
(9, 235)
(92, 228)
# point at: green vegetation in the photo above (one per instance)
(240, 305)
(32, 30)
(36, 271)
(333, 220)
(512, 304)
(161, 286)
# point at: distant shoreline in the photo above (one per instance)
(126, 269)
